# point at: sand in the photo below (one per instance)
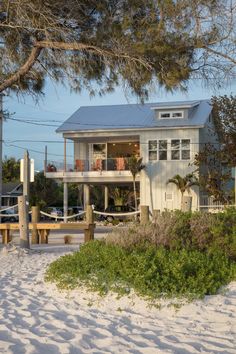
(36, 318)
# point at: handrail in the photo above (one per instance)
(61, 217)
(11, 207)
(117, 214)
(8, 215)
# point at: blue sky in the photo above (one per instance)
(58, 104)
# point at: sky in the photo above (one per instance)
(58, 104)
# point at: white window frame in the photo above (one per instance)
(156, 150)
(180, 149)
(169, 149)
(171, 114)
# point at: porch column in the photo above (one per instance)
(86, 195)
(106, 196)
(65, 201)
(64, 154)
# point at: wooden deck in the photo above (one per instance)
(43, 230)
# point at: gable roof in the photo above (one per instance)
(135, 116)
(12, 188)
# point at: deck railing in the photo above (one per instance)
(110, 164)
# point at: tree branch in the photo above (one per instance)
(23, 70)
(99, 51)
(223, 55)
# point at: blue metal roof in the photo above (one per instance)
(134, 116)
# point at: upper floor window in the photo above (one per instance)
(162, 149)
(175, 149)
(180, 149)
(171, 114)
(152, 150)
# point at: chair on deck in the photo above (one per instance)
(97, 166)
(120, 163)
(79, 165)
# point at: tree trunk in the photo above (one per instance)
(135, 195)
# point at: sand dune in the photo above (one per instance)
(36, 318)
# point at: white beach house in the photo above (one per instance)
(166, 135)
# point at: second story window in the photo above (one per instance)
(180, 149)
(152, 150)
(162, 149)
(185, 149)
(175, 149)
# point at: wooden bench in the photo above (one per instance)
(44, 229)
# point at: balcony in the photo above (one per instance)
(94, 170)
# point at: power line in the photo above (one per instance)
(36, 151)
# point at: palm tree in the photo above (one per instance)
(184, 183)
(135, 165)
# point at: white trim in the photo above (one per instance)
(171, 113)
(176, 107)
(77, 134)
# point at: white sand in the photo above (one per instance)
(36, 318)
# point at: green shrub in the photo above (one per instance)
(177, 230)
(150, 271)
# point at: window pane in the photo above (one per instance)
(175, 144)
(177, 114)
(162, 155)
(185, 154)
(175, 155)
(165, 115)
(185, 144)
(152, 155)
(152, 145)
(162, 144)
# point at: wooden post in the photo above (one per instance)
(35, 220)
(1, 140)
(89, 233)
(155, 215)
(23, 222)
(65, 200)
(106, 197)
(144, 214)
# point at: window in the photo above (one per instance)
(185, 149)
(164, 115)
(172, 114)
(180, 149)
(152, 150)
(175, 149)
(162, 149)
(169, 197)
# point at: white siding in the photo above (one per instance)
(80, 150)
(153, 181)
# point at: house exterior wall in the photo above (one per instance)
(80, 150)
(154, 190)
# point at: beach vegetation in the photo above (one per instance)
(172, 258)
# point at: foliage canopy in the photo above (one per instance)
(137, 43)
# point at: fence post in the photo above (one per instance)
(23, 222)
(89, 233)
(155, 215)
(144, 214)
(35, 220)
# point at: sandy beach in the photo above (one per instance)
(36, 318)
